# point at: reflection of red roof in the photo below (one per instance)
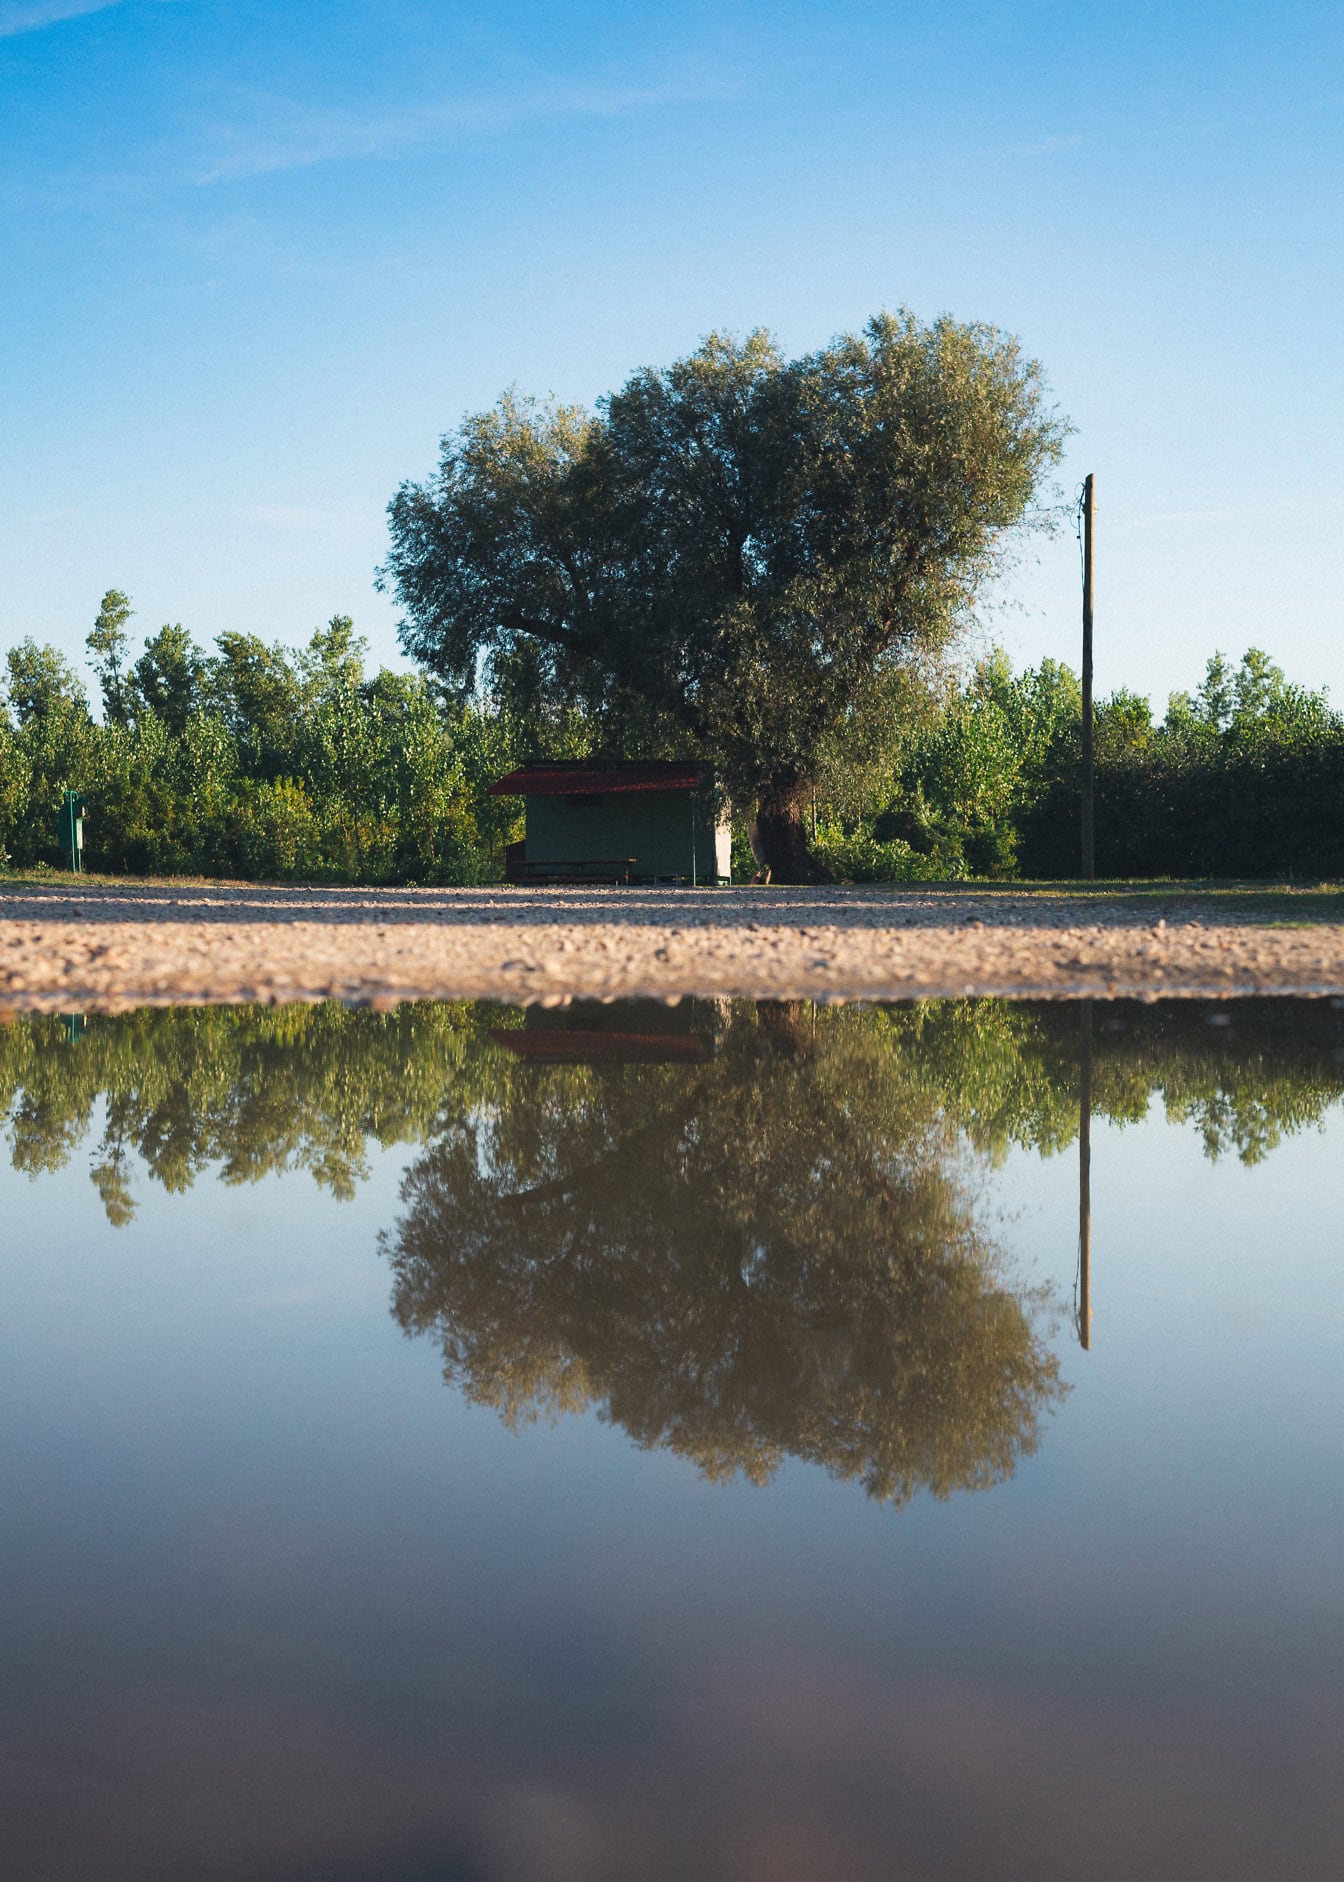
(579, 778)
(572, 1046)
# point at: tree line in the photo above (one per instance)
(252, 760)
(1242, 777)
(259, 761)
(768, 564)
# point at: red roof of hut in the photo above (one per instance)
(586, 778)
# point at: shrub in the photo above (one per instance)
(857, 856)
(276, 829)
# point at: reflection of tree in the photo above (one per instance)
(769, 1254)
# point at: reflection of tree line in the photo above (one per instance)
(248, 1090)
(244, 1091)
(764, 1247)
(1245, 1074)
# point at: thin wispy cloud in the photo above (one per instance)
(30, 16)
(268, 133)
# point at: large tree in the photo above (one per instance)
(733, 551)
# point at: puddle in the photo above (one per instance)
(715, 1440)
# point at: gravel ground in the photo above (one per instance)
(67, 947)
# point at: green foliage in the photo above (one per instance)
(1243, 778)
(858, 856)
(107, 645)
(258, 760)
(254, 761)
(41, 686)
(938, 781)
(166, 682)
(45, 746)
(256, 692)
(277, 830)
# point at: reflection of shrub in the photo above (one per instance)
(857, 856)
(276, 829)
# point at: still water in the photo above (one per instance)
(729, 1442)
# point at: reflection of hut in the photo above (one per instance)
(618, 822)
(635, 1032)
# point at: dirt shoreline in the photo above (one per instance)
(106, 947)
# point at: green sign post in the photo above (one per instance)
(72, 830)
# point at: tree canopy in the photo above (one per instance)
(732, 551)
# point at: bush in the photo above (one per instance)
(857, 856)
(276, 830)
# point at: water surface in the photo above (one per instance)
(631, 1441)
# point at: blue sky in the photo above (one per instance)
(256, 258)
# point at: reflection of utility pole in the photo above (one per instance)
(1085, 1177)
(1089, 858)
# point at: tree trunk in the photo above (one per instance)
(779, 836)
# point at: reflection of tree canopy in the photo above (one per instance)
(772, 1253)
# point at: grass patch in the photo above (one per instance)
(1299, 905)
(1290, 904)
(1272, 904)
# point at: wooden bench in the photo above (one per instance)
(571, 871)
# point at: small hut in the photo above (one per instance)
(622, 821)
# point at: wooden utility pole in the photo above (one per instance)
(1089, 845)
(1085, 1177)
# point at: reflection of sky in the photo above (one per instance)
(271, 1592)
